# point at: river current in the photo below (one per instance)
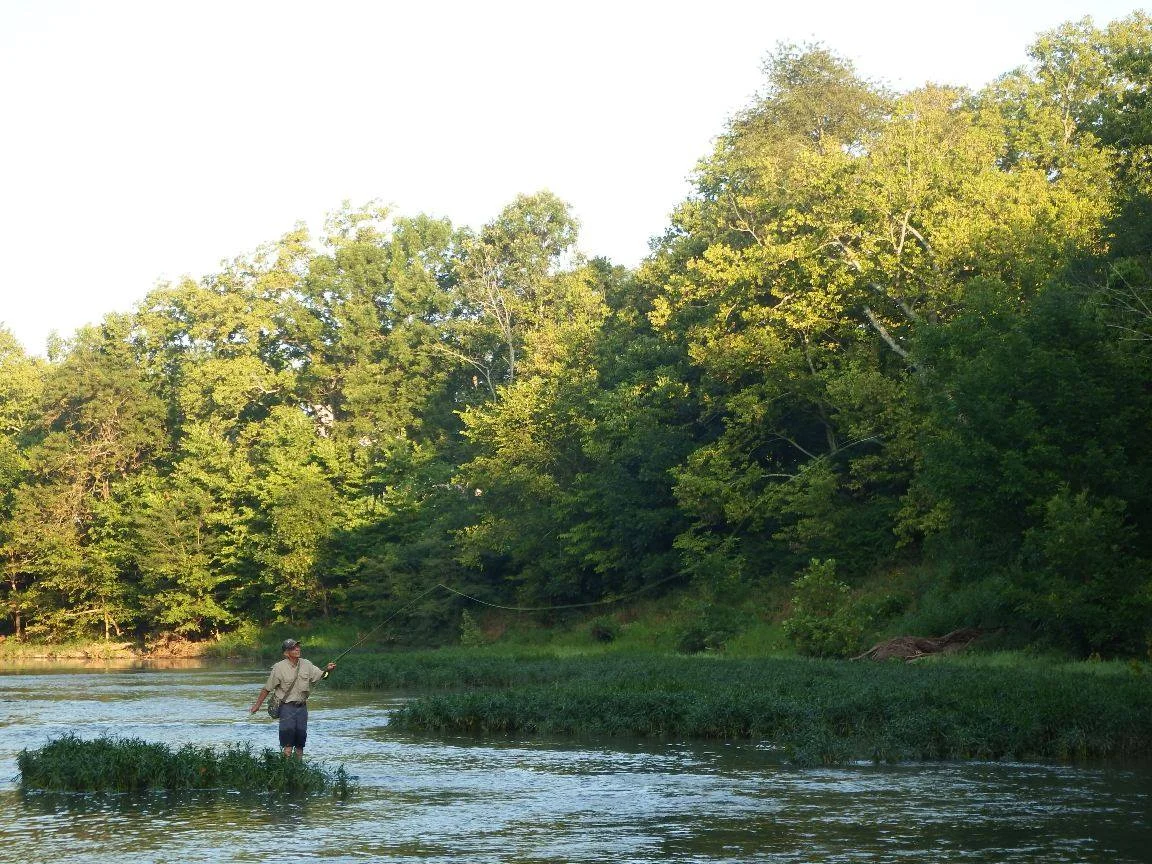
(422, 799)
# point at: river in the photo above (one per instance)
(465, 800)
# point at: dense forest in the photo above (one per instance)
(890, 362)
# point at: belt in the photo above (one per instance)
(294, 703)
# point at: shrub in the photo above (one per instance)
(708, 628)
(1086, 584)
(471, 635)
(824, 620)
(946, 604)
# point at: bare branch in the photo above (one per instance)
(910, 313)
(923, 242)
(745, 224)
(878, 325)
(1134, 333)
(852, 259)
(486, 371)
(807, 453)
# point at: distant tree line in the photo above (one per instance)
(910, 333)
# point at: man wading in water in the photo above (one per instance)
(290, 680)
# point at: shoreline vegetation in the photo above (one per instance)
(101, 650)
(985, 705)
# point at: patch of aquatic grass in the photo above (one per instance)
(73, 764)
(815, 711)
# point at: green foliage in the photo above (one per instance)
(706, 626)
(470, 633)
(73, 764)
(1087, 585)
(890, 329)
(824, 621)
(945, 603)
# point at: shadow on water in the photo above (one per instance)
(206, 825)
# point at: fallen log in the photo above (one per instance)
(909, 648)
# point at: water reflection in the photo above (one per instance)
(472, 800)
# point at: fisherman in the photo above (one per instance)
(289, 681)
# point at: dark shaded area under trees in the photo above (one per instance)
(888, 333)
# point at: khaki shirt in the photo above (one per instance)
(282, 675)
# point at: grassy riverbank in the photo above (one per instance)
(73, 764)
(999, 707)
(246, 643)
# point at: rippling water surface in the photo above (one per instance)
(462, 800)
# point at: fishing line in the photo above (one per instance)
(563, 606)
(452, 590)
(360, 641)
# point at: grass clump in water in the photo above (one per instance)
(106, 764)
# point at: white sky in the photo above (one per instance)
(142, 141)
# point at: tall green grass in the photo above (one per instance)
(814, 711)
(73, 764)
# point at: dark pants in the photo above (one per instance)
(293, 725)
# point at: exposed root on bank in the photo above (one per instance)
(173, 645)
(909, 648)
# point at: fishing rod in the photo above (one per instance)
(452, 590)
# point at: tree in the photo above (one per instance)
(1022, 404)
(832, 224)
(98, 424)
(527, 440)
(505, 277)
(21, 382)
